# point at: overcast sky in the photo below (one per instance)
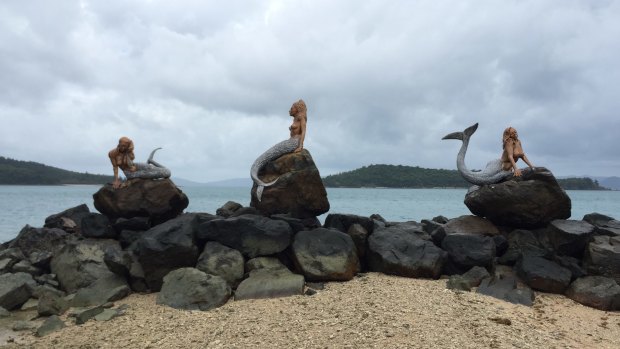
(212, 82)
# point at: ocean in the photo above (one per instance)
(21, 205)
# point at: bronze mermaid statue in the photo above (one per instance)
(122, 157)
(496, 170)
(294, 144)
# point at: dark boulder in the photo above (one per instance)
(571, 263)
(298, 224)
(258, 263)
(343, 222)
(298, 191)
(472, 278)
(79, 263)
(430, 226)
(397, 252)
(605, 225)
(228, 209)
(68, 220)
(31, 240)
(192, 289)
(128, 237)
(251, 235)
(26, 267)
(521, 243)
(222, 261)
(596, 291)
(15, 289)
(325, 255)
(270, 283)
(160, 200)
(466, 251)
(51, 303)
(530, 201)
(50, 325)
(602, 257)
(569, 237)
(95, 225)
(359, 235)
(10, 257)
(470, 225)
(107, 289)
(506, 288)
(167, 247)
(134, 223)
(543, 275)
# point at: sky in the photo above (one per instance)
(211, 82)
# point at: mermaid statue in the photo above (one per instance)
(293, 144)
(496, 170)
(122, 156)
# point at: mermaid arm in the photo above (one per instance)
(302, 136)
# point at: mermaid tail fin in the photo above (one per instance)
(151, 161)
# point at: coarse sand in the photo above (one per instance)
(371, 311)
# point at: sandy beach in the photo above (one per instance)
(371, 311)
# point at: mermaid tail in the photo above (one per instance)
(493, 172)
(149, 170)
(284, 147)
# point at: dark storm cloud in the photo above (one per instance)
(212, 82)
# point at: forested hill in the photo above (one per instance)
(33, 173)
(398, 176)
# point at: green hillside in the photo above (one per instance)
(33, 173)
(398, 176)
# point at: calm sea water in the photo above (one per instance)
(21, 205)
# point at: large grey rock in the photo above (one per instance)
(543, 275)
(466, 251)
(602, 257)
(68, 220)
(228, 209)
(521, 243)
(31, 240)
(107, 289)
(83, 316)
(470, 225)
(133, 223)
(506, 288)
(80, 263)
(343, 222)
(192, 289)
(396, 252)
(15, 289)
(298, 224)
(359, 235)
(51, 324)
(95, 225)
(270, 283)
(217, 259)
(472, 278)
(160, 200)
(299, 190)
(605, 225)
(51, 303)
(167, 247)
(596, 291)
(264, 263)
(251, 235)
(530, 201)
(325, 255)
(4, 313)
(10, 257)
(26, 267)
(570, 237)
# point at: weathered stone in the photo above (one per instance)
(359, 235)
(470, 225)
(95, 225)
(505, 288)
(228, 209)
(569, 237)
(133, 223)
(107, 315)
(107, 289)
(4, 313)
(299, 189)
(167, 247)
(543, 275)
(41, 259)
(466, 251)
(602, 257)
(270, 283)
(522, 243)
(440, 219)
(117, 260)
(258, 263)
(67, 220)
(530, 201)
(192, 289)
(160, 200)
(88, 314)
(22, 325)
(501, 244)
(30, 240)
(396, 252)
(51, 303)
(430, 226)
(30, 304)
(39, 290)
(25, 267)
(251, 235)
(572, 264)
(246, 210)
(596, 291)
(604, 225)
(15, 289)
(80, 263)
(48, 279)
(475, 275)
(343, 222)
(51, 324)
(217, 259)
(325, 255)
(298, 224)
